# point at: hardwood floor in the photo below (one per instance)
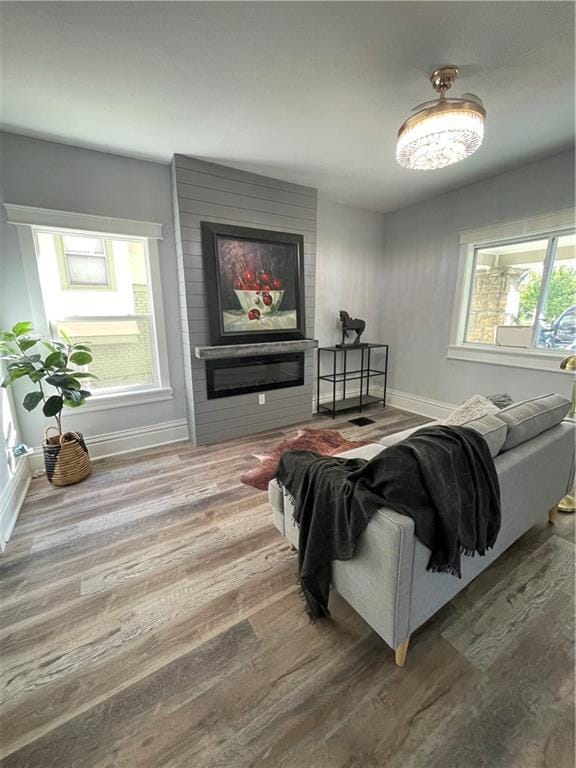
(150, 617)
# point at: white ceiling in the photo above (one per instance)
(308, 92)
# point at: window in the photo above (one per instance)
(523, 294)
(83, 261)
(118, 323)
(98, 278)
(517, 294)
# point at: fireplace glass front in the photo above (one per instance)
(242, 375)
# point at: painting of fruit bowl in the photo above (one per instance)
(254, 282)
(266, 302)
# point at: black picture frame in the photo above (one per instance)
(234, 303)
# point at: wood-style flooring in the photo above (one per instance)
(150, 617)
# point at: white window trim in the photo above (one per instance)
(27, 219)
(106, 401)
(458, 349)
(51, 219)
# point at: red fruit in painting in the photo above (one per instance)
(265, 277)
(254, 314)
(248, 276)
(238, 284)
(267, 299)
(276, 284)
(257, 286)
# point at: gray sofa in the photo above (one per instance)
(387, 582)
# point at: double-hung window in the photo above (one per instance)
(97, 290)
(103, 290)
(517, 299)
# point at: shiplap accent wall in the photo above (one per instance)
(208, 192)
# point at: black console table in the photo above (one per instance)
(343, 376)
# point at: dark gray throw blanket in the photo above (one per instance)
(442, 477)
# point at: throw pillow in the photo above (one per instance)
(530, 418)
(473, 408)
(492, 429)
(502, 401)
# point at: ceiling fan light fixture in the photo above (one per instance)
(443, 131)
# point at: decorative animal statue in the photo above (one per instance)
(348, 324)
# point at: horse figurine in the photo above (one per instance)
(351, 325)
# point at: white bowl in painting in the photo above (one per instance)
(256, 300)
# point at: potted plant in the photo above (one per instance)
(57, 384)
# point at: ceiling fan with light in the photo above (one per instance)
(444, 130)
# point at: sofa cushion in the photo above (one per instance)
(364, 452)
(529, 418)
(492, 429)
(396, 437)
(489, 429)
(473, 408)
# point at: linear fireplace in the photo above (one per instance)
(242, 375)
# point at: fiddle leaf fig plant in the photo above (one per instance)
(19, 347)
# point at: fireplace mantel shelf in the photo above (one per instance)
(229, 351)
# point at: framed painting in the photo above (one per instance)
(254, 284)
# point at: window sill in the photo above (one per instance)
(123, 399)
(544, 360)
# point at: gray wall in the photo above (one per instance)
(348, 268)
(208, 192)
(49, 175)
(418, 281)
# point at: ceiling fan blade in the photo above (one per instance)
(449, 100)
(473, 97)
(424, 104)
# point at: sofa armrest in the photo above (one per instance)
(276, 499)
(377, 581)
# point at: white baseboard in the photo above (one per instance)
(425, 406)
(11, 500)
(127, 440)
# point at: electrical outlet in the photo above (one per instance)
(262, 399)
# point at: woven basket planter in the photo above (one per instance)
(66, 458)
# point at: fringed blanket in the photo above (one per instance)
(442, 477)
